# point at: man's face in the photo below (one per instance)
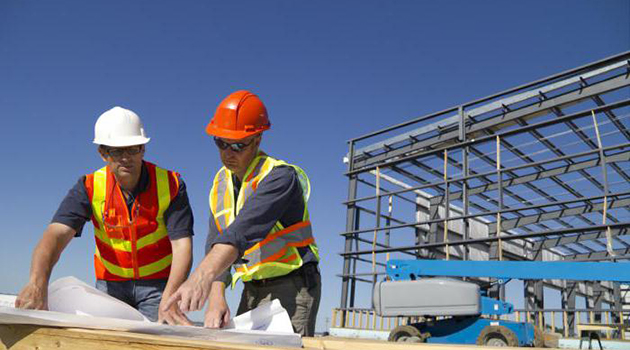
(238, 161)
(123, 161)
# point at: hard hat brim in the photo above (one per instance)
(124, 142)
(232, 134)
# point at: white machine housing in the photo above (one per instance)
(427, 297)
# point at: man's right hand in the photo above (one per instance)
(32, 296)
(54, 240)
(218, 312)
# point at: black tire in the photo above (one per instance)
(497, 336)
(539, 338)
(406, 333)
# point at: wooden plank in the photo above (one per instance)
(22, 337)
(599, 326)
(334, 343)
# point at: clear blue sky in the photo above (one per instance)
(328, 71)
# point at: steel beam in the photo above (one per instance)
(552, 215)
(502, 121)
(563, 240)
(623, 156)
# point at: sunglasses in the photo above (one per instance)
(236, 147)
(118, 152)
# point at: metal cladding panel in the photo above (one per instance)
(427, 297)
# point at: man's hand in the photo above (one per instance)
(192, 294)
(180, 267)
(172, 315)
(32, 296)
(218, 312)
(45, 255)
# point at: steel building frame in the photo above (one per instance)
(537, 172)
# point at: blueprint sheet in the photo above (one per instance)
(74, 304)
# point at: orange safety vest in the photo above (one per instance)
(277, 254)
(131, 246)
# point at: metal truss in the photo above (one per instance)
(537, 172)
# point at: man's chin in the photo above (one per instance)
(230, 166)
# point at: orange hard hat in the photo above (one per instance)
(239, 115)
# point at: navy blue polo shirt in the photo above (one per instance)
(75, 209)
(277, 198)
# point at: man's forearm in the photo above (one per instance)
(219, 259)
(218, 290)
(47, 252)
(181, 264)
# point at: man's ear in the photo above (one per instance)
(102, 153)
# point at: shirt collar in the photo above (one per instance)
(143, 182)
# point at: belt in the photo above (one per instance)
(309, 268)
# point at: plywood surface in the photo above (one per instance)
(21, 337)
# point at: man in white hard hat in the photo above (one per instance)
(142, 219)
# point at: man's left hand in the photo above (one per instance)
(172, 315)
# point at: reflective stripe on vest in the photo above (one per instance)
(277, 254)
(135, 247)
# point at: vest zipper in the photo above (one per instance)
(134, 248)
(132, 232)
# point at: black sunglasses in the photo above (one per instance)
(236, 147)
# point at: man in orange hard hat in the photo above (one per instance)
(259, 220)
(142, 220)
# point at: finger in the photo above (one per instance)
(213, 322)
(200, 302)
(172, 300)
(28, 305)
(181, 319)
(226, 319)
(179, 314)
(169, 320)
(163, 318)
(208, 322)
(194, 300)
(216, 321)
(184, 302)
(194, 303)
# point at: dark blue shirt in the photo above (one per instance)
(75, 209)
(277, 198)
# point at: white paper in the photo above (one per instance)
(7, 300)
(267, 317)
(73, 303)
(52, 318)
(72, 296)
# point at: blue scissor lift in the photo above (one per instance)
(457, 312)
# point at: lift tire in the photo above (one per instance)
(406, 333)
(539, 338)
(497, 336)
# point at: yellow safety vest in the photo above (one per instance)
(277, 254)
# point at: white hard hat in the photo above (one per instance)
(119, 127)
